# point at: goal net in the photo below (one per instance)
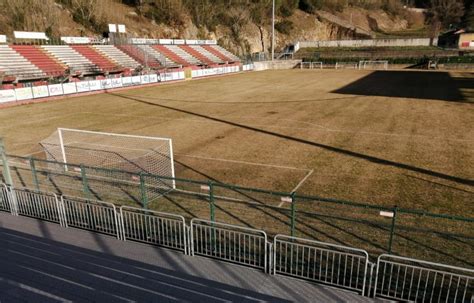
(347, 65)
(311, 65)
(120, 152)
(377, 64)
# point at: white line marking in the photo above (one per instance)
(244, 162)
(302, 181)
(298, 186)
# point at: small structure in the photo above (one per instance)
(462, 39)
(466, 40)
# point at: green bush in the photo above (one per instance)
(287, 7)
(310, 6)
(284, 27)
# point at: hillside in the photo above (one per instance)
(242, 26)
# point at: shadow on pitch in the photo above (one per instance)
(342, 151)
(411, 84)
(278, 215)
(363, 157)
(254, 102)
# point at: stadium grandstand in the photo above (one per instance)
(40, 62)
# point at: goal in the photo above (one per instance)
(311, 65)
(129, 153)
(347, 65)
(377, 64)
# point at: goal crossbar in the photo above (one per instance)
(131, 153)
(363, 64)
(353, 65)
(312, 65)
(60, 129)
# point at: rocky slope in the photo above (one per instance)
(240, 34)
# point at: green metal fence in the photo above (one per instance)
(377, 229)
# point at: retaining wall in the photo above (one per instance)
(369, 43)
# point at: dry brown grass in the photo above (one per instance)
(414, 153)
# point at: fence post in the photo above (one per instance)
(212, 202)
(33, 172)
(293, 214)
(212, 209)
(6, 169)
(143, 191)
(85, 183)
(392, 229)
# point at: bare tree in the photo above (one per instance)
(443, 14)
(30, 15)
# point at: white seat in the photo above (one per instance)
(206, 53)
(181, 53)
(225, 52)
(74, 60)
(117, 56)
(14, 64)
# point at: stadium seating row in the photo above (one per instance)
(29, 62)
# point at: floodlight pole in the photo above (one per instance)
(273, 29)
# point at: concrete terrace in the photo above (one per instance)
(43, 262)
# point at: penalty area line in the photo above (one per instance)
(243, 162)
(298, 185)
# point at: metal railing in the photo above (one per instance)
(231, 243)
(408, 279)
(331, 264)
(376, 228)
(153, 227)
(5, 204)
(345, 267)
(34, 204)
(91, 215)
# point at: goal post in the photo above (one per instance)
(347, 65)
(373, 64)
(121, 152)
(311, 65)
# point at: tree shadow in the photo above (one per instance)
(412, 84)
(342, 151)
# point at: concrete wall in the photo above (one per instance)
(368, 43)
(277, 64)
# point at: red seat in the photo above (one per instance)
(96, 57)
(217, 53)
(196, 54)
(40, 59)
(171, 55)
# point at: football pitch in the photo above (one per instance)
(382, 138)
(385, 138)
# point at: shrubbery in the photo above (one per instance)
(284, 27)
